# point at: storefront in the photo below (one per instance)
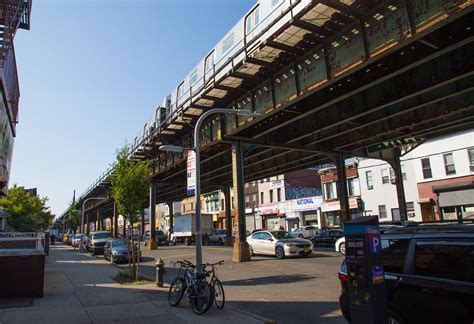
(309, 210)
(331, 211)
(272, 217)
(456, 200)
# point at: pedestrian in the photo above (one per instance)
(52, 238)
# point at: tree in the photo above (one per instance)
(130, 184)
(25, 211)
(74, 218)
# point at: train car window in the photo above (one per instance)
(256, 16)
(275, 2)
(193, 78)
(227, 44)
(248, 24)
(209, 62)
(181, 90)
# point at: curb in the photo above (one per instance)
(255, 316)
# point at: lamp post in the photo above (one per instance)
(81, 246)
(197, 191)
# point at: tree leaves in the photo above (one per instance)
(130, 184)
(26, 212)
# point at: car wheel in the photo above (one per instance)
(251, 250)
(279, 252)
(342, 248)
(394, 318)
(220, 241)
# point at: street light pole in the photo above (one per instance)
(81, 247)
(196, 149)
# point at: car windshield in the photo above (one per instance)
(221, 232)
(98, 236)
(117, 243)
(281, 235)
(78, 236)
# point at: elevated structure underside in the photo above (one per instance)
(364, 78)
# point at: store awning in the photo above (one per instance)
(456, 198)
(426, 201)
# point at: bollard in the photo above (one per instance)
(160, 272)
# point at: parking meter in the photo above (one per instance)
(368, 303)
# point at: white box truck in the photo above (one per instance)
(184, 228)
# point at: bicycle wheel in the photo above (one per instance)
(176, 292)
(219, 296)
(204, 299)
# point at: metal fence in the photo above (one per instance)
(16, 241)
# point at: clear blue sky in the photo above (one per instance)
(91, 74)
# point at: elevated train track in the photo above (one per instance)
(364, 77)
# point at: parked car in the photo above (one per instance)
(340, 245)
(117, 250)
(217, 236)
(279, 244)
(429, 274)
(76, 241)
(305, 232)
(69, 239)
(160, 238)
(327, 237)
(97, 240)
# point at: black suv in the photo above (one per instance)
(429, 274)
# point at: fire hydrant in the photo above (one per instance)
(160, 272)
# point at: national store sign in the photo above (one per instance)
(308, 203)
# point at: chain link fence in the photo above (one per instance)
(15, 241)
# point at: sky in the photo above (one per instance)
(91, 74)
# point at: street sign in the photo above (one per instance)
(191, 172)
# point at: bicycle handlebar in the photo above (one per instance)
(214, 264)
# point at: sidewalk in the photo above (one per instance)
(80, 289)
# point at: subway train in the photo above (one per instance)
(258, 24)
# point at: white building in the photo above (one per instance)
(379, 192)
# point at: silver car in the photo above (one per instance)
(278, 243)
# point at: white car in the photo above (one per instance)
(278, 243)
(341, 245)
(305, 232)
(217, 236)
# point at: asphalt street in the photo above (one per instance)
(292, 290)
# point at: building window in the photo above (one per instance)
(351, 187)
(271, 195)
(261, 197)
(261, 180)
(247, 201)
(329, 190)
(470, 152)
(254, 183)
(425, 164)
(382, 211)
(370, 181)
(385, 176)
(449, 164)
(392, 175)
(222, 204)
(246, 185)
(254, 200)
(278, 194)
(227, 44)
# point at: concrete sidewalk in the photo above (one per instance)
(80, 289)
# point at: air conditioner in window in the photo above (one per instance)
(392, 180)
(411, 214)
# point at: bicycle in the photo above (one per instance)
(219, 296)
(199, 291)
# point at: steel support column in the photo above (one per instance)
(152, 242)
(115, 222)
(228, 213)
(241, 248)
(97, 220)
(88, 225)
(397, 168)
(342, 193)
(171, 215)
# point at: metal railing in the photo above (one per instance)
(16, 241)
